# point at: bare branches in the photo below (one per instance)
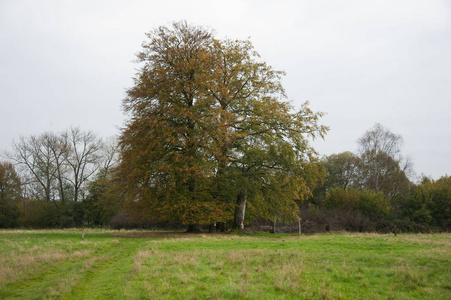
(56, 167)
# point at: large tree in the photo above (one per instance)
(166, 144)
(209, 128)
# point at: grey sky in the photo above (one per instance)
(68, 63)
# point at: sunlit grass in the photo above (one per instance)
(155, 265)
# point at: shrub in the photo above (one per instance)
(37, 214)
(346, 199)
(375, 205)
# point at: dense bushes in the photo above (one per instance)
(37, 214)
(374, 205)
(348, 209)
(425, 208)
(369, 203)
(429, 204)
(41, 214)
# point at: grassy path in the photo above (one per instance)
(108, 276)
(91, 269)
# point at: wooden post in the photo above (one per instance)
(300, 230)
(83, 233)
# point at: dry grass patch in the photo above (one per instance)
(16, 266)
(22, 261)
(148, 234)
(243, 273)
(23, 265)
(140, 256)
(428, 239)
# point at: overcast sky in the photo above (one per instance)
(68, 63)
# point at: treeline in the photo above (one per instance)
(369, 191)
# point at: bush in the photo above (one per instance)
(9, 213)
(346, 199)
(37, 214)
(375, 205)
(122, 220)
(352, 202)
(429, 204)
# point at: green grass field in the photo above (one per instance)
(45, 264)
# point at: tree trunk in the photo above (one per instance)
(212, 228)
(300, 228)
(240, 210)
(220, 227)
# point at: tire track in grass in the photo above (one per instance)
(79, 277)
(108, 278)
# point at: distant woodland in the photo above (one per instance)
(211, 143)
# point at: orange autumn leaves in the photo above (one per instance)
(208, 121)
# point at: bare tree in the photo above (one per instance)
(110, 156)
(83, 159)
(379, 139)
(58, 166)
(382, 166)
(40, 160)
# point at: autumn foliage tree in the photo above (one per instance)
(166, 146)
(210, 130)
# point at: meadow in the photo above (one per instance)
(58, 264)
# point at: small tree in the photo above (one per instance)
(375, 205)
(83, 158)
(382, 167)
(342, 170)
(10, 195)
(346, 199)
